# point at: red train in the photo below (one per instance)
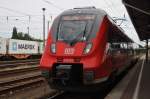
(84, 48)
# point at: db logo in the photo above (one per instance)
(69, 51)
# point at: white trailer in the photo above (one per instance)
(22, 48)
(41, 47)
(3, 46)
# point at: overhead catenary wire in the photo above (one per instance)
(19, 12)
(48, 2)
(21, 16)
(14, 11)
(32, 15)
(116, 11)
(112, 6)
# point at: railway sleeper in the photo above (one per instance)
(21, 84)
(6, 80)
(19, 70)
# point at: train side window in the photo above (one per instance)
(130, 49)
(109, 52)
(114, 48)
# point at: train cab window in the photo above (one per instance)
(69, 30)
(75, 27)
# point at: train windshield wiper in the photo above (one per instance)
(77, 37)
(84, 32)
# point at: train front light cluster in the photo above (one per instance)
(88, 48)
(53, 48)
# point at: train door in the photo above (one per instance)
(116, 54)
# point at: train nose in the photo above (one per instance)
(63, 71)
(67, 74)
(62, 49)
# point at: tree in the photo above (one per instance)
(20, 35)
(27, 37)
(23, 36)
(14, 34)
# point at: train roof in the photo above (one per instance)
(118, 35)
(118, 32)
(85, 10)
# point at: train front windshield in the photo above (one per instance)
(75, 28)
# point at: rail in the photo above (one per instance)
(18, 75)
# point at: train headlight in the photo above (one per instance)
(53, 48)
(87, 48)
(89, 76)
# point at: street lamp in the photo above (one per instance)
(43, 26)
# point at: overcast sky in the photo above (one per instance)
(18, 12)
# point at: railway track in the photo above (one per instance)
(4, 64)
(67, 95)
(14, 61)
(16, 76)
(101, 94)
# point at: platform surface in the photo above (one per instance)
(135, 85)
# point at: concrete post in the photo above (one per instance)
(146, 50)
